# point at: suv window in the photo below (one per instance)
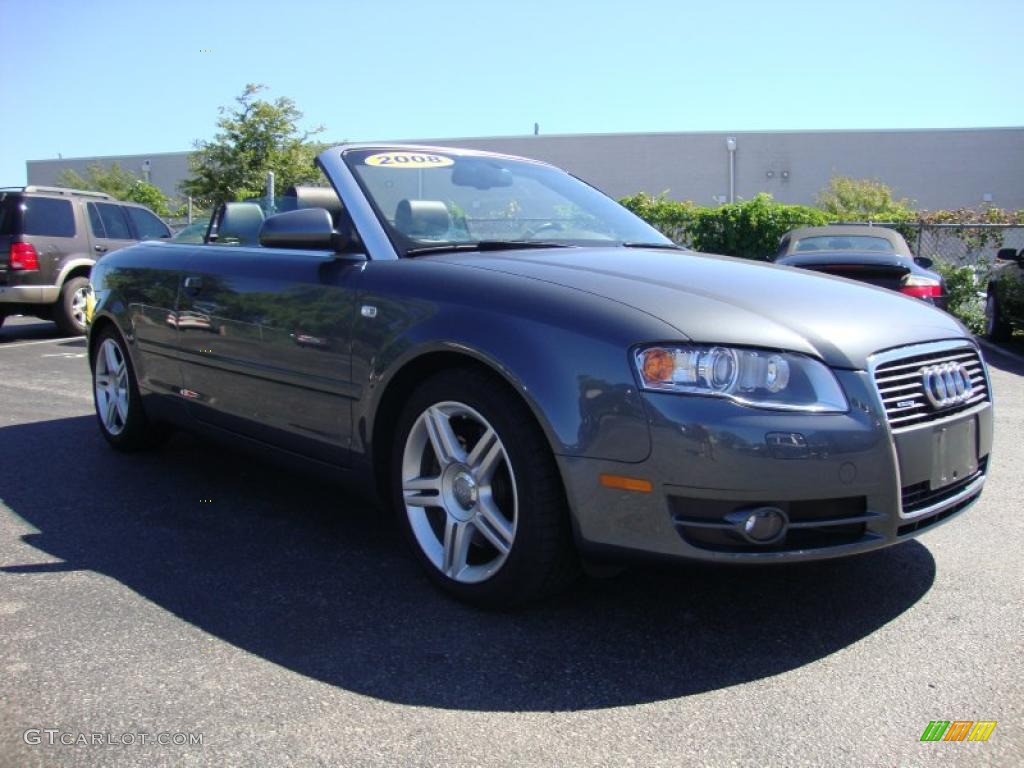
(147, 225)
(9, 214)
(95, 222)
(40, 216)
(114, 221)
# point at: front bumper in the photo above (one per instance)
(846, 483)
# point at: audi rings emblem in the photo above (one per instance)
(947, 384)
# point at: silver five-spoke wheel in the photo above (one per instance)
(459, 492)
(111, 382)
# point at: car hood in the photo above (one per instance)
(724, 300)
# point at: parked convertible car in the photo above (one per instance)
(527, 372)
(875, 255)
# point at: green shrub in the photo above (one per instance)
(848, 199)
(750, 228)
(672, 218)
(963, 296)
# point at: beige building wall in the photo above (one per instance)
(935, 168)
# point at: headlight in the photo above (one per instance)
(761, 378)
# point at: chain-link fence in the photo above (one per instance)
(966, 244)
(958, 245)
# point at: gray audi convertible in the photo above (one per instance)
(532, 377)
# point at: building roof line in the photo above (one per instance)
(622, 134)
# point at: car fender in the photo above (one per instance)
(70, 265)
(574, 375)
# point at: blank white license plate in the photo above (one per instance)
(954, 452)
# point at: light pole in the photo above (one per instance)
(730, 144)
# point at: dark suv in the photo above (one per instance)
(49, 239)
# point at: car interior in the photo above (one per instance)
(237, 224)
(241, 223)
(422, 218)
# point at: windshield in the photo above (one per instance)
(844, 243)
(429, 200)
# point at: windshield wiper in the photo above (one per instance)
(484, 245)
(666, 246)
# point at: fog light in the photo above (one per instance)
(759, 525)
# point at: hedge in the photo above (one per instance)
(750, 228)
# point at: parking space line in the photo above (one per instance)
(30, 343)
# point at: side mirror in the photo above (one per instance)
(306, 228)
(1008, 254)
(924, 262)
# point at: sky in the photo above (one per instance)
(105, 77)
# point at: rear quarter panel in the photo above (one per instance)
(137, 288)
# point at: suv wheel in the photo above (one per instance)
(69, 313)
(996, 327)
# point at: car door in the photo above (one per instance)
(265, 336)
(109, 228)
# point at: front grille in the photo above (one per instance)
(920, 496)
(901, 386)
(929, 520)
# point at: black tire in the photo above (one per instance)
(996, 327)
(131, 430)
(541, 558)
(67, 314)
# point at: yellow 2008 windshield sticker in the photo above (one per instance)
(408, 160)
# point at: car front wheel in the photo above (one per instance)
(996, 327)
(478, 493)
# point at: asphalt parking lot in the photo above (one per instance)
(198, 591)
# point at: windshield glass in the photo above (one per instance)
(844, 243)
(431, 199)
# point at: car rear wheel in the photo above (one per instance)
(996, 327)
(122, 419)
(478, 494)
(69, 313)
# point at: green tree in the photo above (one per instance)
(849, 199)
(254, 137)
(119, 184)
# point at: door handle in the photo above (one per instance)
(193, 284)
(100, 248)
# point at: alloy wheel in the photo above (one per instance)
(79, 302)
(459, 491)
(111, 384)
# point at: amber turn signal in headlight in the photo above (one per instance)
(658, 365)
